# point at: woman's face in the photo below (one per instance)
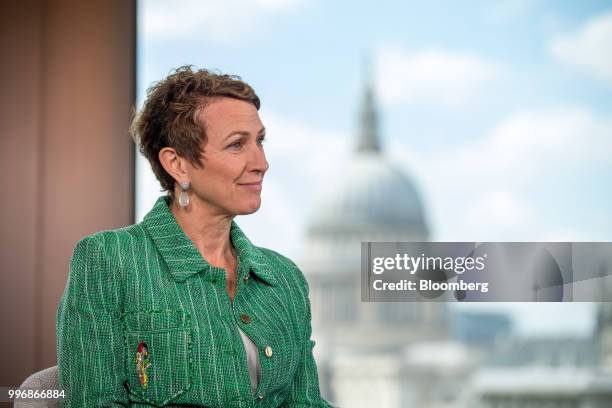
(233, 158)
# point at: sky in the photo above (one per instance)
(499, 112)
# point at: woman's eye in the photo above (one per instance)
(238, 144)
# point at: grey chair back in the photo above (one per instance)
(46, 379)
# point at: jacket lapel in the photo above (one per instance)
(182, 257)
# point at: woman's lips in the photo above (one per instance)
(252, 186)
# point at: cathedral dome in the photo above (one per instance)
(372, 196)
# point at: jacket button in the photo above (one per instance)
(245, 318)
(260, 397)
(268, 351)
(246, 279)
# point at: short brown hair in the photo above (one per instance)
(168, 115)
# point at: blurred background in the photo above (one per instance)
(387, 121)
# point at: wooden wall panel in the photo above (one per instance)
(68, 81)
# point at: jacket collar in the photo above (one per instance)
(182, 257)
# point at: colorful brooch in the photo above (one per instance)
(142, 363)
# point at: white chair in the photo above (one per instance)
(46, 379)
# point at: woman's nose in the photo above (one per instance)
(259, 161)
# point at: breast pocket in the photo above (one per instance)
(157, 354)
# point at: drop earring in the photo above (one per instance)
(184, 196)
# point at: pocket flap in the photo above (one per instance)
(157, 320)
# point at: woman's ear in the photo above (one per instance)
(174, 165)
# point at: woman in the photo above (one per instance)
(182, 309)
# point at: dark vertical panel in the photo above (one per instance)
(20, 122)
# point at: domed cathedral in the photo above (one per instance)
(360, 345)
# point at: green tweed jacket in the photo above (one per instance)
(146, 321)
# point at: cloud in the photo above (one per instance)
(484, 191)
(589, 49)
(501, 208)
(524, 142)
(438, 77)
(218, 21)
(317, 151)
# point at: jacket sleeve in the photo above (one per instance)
(90, 345)
(305, 391)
